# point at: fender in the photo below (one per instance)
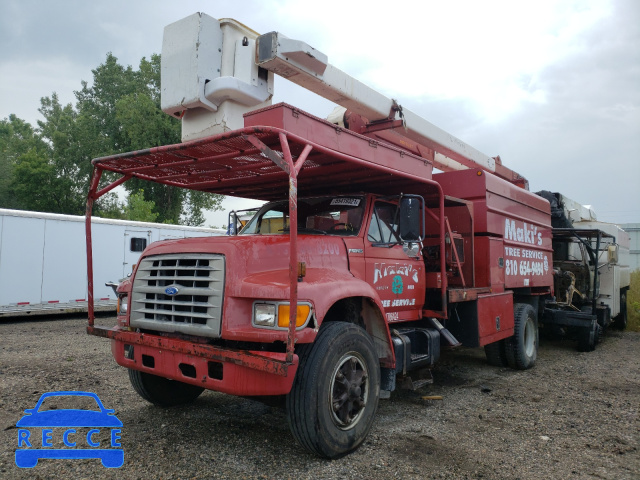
(324, 287)
(334, 286)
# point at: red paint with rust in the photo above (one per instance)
(241, 372)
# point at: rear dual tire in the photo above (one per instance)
(620, 320)
(521, 350)
(496, 354)
(588, 337)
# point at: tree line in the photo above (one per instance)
(47, 168)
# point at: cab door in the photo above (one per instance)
(394, 269)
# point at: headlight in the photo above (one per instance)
(264, 314)
(276, 315)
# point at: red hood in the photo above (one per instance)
(257, 255)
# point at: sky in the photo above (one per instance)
(553, 87)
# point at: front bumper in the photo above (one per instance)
(236, 372)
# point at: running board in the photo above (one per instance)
(417, 379)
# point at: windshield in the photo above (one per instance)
(316, 216)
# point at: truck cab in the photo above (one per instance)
(234, 291)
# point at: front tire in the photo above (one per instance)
(162, 391)
(334, 396)
(522, 349)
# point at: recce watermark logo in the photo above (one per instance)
(69, 425)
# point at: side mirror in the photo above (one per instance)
(612, 254)
(114, 286)
(412, 218)
(232, 223)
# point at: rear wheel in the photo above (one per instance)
(522, 349)
(588, 337)
(599, 334)
(162, 391)
(620, 320)
(335, 393)
(496, 354)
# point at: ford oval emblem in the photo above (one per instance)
(171, 291)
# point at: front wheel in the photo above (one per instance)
(162, 391)
(334, 396)
(522, 349)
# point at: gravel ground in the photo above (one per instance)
(575, 415)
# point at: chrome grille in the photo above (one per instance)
(179, 293)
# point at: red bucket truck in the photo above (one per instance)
(360, 266)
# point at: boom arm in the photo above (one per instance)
(309, 68)
(338, 87)
(215, 71)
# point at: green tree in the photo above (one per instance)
(69, 165)
(139, 209)
(35, 185)
(50, 168)
(126, 104)
(17, 138)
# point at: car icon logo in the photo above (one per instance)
(172, 290)
(77, 429)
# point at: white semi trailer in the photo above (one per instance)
(43, 258)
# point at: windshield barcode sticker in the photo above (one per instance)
(349, 202)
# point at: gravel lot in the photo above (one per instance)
(575, 415)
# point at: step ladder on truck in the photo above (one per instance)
(363, 263)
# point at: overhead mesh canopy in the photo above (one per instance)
(340, 161)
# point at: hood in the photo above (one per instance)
(260, 255)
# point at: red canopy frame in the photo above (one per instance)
(266, 163)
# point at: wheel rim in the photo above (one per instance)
(349, 390)
(529, 338)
